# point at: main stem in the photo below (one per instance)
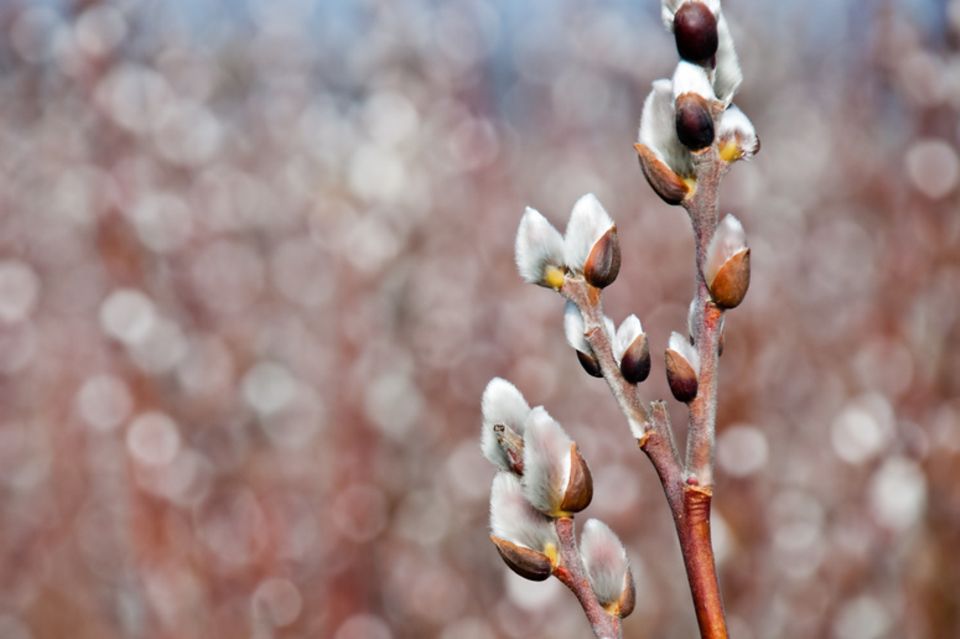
(692, 517)
(688, 487)
(707, 322)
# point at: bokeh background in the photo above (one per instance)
(256, 270)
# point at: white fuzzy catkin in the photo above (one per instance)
(589, 221)
(727, 240)
(573, 328)
(658, 130)
(605, 559)
(728, 75)
(539, 245)
(681, 345)
(735, 125)
(692, 318)
(629, 330)
(546, 461)
(502, 404)
(514, 519)
(692, 78)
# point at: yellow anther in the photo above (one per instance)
(730, 151)
(550, 550)
(553, 277)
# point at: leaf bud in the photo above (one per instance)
(632, 350)
(671, 188)
(526, 562)
(727, 264)
(694, 121)
(683, 368)
(695, 31)
(603, 262)
(579, 491)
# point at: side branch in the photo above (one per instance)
(587, 299)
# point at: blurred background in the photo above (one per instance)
(256, 268)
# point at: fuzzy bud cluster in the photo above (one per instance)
(529, 444)
(542, 477)
(589, 247)
(631, 349)
(693, 111)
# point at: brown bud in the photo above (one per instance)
(579, 490)
(663, 180)
(695, 30)
(603, 263)
(729, 286)
(635, 363)
(694, 121)
(526, 562)
(628, 598)
(681, 376)
(590, 364)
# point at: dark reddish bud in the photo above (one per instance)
(527, 563)
(590, 364)
(729, 286)
(683, 368)
(694, 121)
(665, 182)
(579, 491)
(695, 30)
(635, 363)
(603, 263)
(727, 264)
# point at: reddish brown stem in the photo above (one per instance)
(707, 322)
(571, 572)
(693, 531)
(688, 488)
(690, 507)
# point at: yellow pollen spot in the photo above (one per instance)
(730, 151)
(691, 183)
(553, 277)
(550, 550)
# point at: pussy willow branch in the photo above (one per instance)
(688, 488)
(707, 323)
(695, 539)
(571, 572)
